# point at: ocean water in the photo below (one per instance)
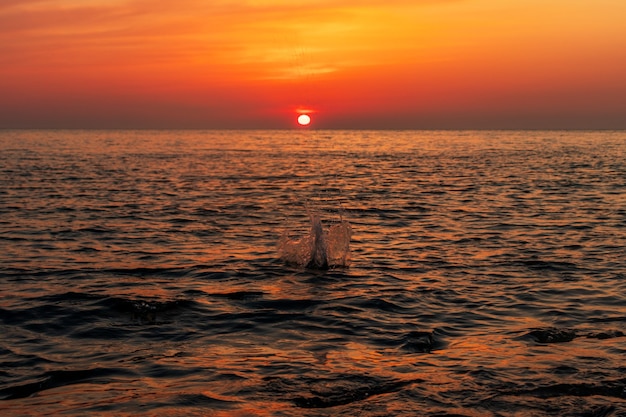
(145, 273)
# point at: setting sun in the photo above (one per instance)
(304, 120)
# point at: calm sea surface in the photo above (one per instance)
(139, 274)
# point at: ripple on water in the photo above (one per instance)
(140, 273)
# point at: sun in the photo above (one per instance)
(304, 120)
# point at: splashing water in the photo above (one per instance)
(320, 249)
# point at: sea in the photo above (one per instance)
(312, 273)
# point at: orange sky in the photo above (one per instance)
(353, 64)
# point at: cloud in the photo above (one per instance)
(224, 33)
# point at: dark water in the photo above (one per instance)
(140, 276)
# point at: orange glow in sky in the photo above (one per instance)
(356, 64)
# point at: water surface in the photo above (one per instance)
(140, 274)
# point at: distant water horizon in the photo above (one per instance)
(143, 274)
(313, 129)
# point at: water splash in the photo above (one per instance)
(320, 249)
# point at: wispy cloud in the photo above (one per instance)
(229, 31)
